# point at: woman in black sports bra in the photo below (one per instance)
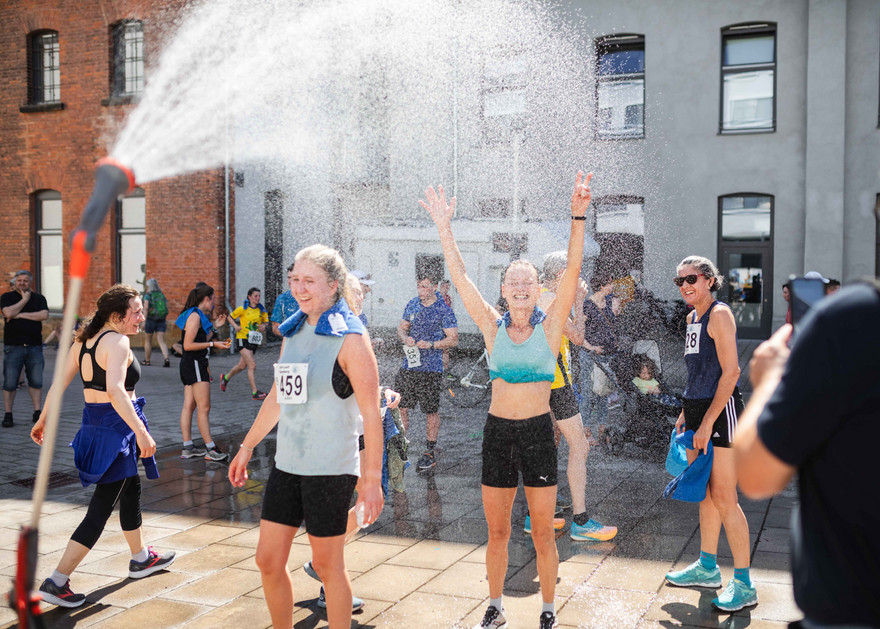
(113, 436)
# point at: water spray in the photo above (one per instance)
(112, 179)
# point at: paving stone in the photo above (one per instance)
(425, 610)
(218, 588)
(433, 554)
(604, 608)
(625, 573)
(154, 613)
(391, 583)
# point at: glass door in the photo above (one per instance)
(748, 287)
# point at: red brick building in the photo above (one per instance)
(70, 69)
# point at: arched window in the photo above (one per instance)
(620, 86)
(44, 68)
(49, 248)
(748, 78)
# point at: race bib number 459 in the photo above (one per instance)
(290, 383)
(692, 339)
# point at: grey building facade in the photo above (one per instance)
(744, 131)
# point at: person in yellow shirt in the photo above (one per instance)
(565, 412)
(250, 327)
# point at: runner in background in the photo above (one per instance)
(250, 328)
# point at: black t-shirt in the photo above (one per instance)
(23, 331)
(824, 418)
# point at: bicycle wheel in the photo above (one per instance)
(467, 383)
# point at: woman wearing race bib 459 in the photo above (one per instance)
(326, 372)
(252, 319)
(712, 403)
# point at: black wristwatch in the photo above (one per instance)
(432, 344)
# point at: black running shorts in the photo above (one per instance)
(724, 428)
(563, 403)
(419, 388)
(511, 446)
(321, 502)
(243, 344)
(194, 370)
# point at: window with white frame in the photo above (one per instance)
(131, 239)
(748, 78)
(620, 86)
(49, 279)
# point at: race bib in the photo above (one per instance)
(413, 356)
(255, 338)
(290, 383)
(692, 339)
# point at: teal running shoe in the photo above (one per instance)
(592, 531)
(736, 596)
(558, 525)
(695, 575)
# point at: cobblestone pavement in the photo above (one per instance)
(420, 565)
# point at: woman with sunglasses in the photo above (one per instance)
(518, 436)
(712, 403)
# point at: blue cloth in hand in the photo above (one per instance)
(676, 459)
(690, 485)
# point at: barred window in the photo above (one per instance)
(128, 58)
(45, 68)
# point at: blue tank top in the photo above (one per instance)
(701, 357)
(530, 361)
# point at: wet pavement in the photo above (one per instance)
(421, 564)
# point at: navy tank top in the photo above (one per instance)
(701, 357)
(98, 381)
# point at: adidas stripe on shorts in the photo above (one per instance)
(724, 428)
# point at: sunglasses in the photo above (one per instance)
(690, 279)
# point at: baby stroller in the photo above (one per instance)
(647, 418)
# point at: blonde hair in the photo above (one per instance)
(706, 267)
(352, 285)
(330, 261)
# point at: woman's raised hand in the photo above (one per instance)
(580, 198)
(437, 207)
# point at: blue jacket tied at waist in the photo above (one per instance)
(105, 448)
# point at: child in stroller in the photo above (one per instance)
(649, 426)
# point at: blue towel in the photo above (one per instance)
(690, 485)
(338, 320)
(536, 317)
(180, 322)
(676, 459)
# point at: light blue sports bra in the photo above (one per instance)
(530, 361)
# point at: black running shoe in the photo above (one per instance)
(153, 563)
(426, 463)
(548, 621)
(492, 619)
(62, 596)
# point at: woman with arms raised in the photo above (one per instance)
(518, 436)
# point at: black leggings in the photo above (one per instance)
(127, 493)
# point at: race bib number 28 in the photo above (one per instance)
(692, 339)
(290, 383)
